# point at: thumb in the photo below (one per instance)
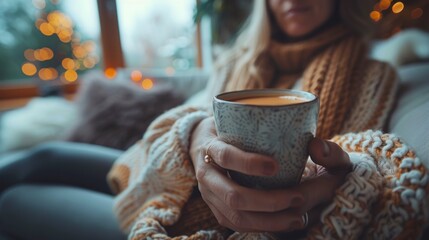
(329, 155)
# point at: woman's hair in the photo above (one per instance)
(257, 32)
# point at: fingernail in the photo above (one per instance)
(296, 202)
(295, 225)
(268, 169)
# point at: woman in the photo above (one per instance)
(318, 46)
(379, 196)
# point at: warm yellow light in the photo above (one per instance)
(29, 55)
(68, 64)
(375, 16)
(45, 54)
(147, 84)
(70, 75)
(37, 55)
(29, 69)
(398, 7)
(65, 33)
(136, 75)
(89, 62)
(416, 13)
(39, 4)
(54, 18)
(47, 29)
(65, 39)
(110, 72)
(89, 46)
(384, 4)
(79, 52)
(48, 74)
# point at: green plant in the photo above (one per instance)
(227, 17)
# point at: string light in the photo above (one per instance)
(384, 4)
(147, 84)
(398, 7)
(136, 75)
(46, 29)
(29, 69)
(110, 73)
(29, 55)
(48, 74)
(70, 75)
(375, 16)
(68, 64)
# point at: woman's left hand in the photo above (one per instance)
(238, 212)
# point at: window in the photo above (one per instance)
(158, 33)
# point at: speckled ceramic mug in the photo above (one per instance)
(281, 130)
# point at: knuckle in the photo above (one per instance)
(222, 157)
(236, 219)
(248, 167)
(222, 221)
(232, 199)
(201, 173)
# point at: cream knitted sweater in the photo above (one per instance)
(384, 197)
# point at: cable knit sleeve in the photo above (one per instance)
(155, 177)
(385, 195)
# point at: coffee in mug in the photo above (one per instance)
(271, 100)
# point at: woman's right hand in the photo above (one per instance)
(235, 206)
(254, 210)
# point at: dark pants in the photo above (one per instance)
(58, 191)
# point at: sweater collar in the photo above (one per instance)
(293, 57)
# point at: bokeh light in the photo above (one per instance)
(79, 51)
(48, 74)
(136, 75)
(384, 4)
(416, 13)
(29, 69)
(29, 55)
(43, 54)
(68, 64)
(46, 29)
(375, 16)
(397, 7)
(110, 73)
(147, 84)
(70, 75)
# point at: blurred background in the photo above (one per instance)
(52, 42)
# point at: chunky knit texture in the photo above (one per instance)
(382, 198)
(355, 92)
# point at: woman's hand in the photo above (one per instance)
(248, 210)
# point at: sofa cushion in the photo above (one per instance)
(116, 113)
(410, 117)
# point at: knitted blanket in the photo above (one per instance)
(384, 197)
